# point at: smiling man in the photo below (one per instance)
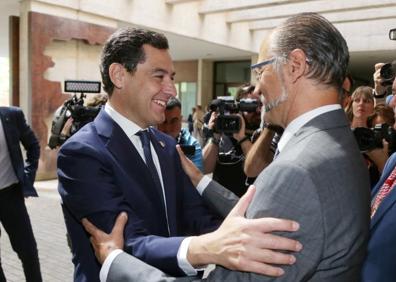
(119, 162)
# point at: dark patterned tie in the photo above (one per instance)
(145, 139)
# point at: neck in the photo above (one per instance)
(309, 97)
(358, 122)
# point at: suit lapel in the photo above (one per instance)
(325, 121)
(126, 155)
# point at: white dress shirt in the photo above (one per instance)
(7, 174)
(130, 128)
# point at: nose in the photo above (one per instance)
(169, 88)
(256, 91)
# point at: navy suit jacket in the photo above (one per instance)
(17, 131)
(380, 263)
(101, 174)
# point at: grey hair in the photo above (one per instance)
(325, 48)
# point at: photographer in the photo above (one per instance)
(383, 77)
(73, 115)
(224, 154)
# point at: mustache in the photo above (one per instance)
(273, 104)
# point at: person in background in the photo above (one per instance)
(173, 127)
(198, 123)
(224, 155)
(359, 109)
(347, 87)
(191, 121)
(380, 264)
(16, 183)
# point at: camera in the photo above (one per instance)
(188, 150)
(74, 108)
(392, 34)
(371, 138)
(227, 121)
(387, 73)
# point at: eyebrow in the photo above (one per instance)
(163, 71)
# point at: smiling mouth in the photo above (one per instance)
(160, 103)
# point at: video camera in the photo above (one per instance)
(74, 108)
(227, 121)
(387, 73)
(371, 138)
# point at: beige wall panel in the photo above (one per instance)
(73, 59)
(186, 71)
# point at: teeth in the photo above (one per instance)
(159, 102)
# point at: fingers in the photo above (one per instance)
(378, 66)
(89, 227)
(119, 225)
(264, 269)
(243, 203)
(275, 242)
(270, 224)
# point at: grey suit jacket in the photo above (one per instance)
(319, 180)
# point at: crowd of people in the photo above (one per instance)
(296, 187)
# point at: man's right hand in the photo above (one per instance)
(246, 244)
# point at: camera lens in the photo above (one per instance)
(387, 72)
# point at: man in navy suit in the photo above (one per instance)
(16, 182)
(380, 260)
(120, 163)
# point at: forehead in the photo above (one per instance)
(264, 48)
(158, 58)
(175, 112)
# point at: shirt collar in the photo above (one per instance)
(129, 127)
(300, 121)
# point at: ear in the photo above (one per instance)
(297, 64)
(117, 74)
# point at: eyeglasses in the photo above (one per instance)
(263, 63)
(258, 67)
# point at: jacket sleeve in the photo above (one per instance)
(219, 199)
(31, 145)
(88, 189)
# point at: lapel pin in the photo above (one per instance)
(162, 144)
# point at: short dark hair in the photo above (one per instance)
(173, 102)
(245, 89)
(125, 46)
(325, 48)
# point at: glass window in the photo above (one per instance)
(229, 76)
(187, 94)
